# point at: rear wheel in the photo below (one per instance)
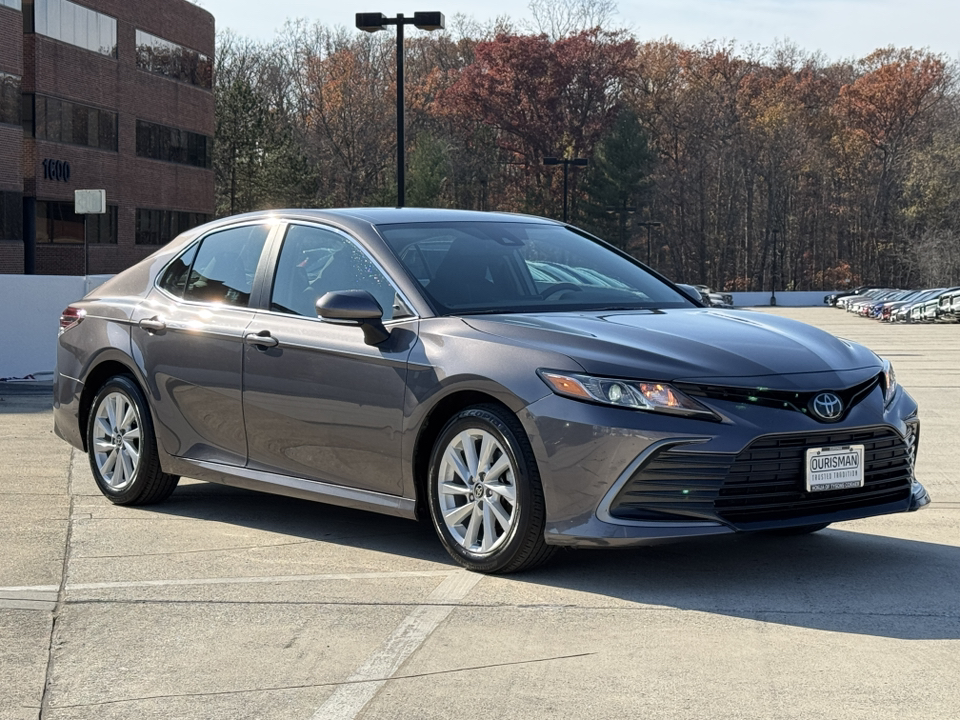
(122, 447)
(485, 497)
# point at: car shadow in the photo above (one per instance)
(304, 519)
(838, 580)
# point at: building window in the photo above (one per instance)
(15, 4)
(9, 99)
(48, 118)
(71, 23)
(159, 142)
(58, 223)
(102, 229)
(11, 216)
(158, 227)
(156, 55)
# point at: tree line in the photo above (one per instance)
(737, 167)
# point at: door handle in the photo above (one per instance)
(153, 325)
(261, 339)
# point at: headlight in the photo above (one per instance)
(889, 382)
(633, 394)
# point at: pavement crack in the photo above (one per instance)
(194, 552)
(310, 686)
(266, 546)
(755, 613)
(61, 596)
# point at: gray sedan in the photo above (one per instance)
(514, 381)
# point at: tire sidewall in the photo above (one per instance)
(488, 420)
(127, 387)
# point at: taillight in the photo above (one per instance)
(71, 317)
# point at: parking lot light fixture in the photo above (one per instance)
(374, 22)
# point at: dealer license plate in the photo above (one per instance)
(834, 468)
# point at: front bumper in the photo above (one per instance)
(587, 453)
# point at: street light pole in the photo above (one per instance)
(621, 212)
(566, 162)
(773, 280)
(401, 135)
(374, 22)
(649, 225)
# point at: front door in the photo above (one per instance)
(318, 402)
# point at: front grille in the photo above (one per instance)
(779, 399)
(765, 482)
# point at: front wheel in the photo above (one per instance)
(485, 497)
(123, 448)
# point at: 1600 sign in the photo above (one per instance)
(56, 170)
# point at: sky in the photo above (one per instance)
(838, 28)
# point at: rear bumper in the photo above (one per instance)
(66, 409)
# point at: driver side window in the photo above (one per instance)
(314, 261)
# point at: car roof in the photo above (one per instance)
(389, 216)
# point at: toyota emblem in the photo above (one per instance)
(827, 406)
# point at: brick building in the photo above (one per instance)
(102, 94)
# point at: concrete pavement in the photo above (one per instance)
(222, 603)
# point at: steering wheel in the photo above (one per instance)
(560, 287)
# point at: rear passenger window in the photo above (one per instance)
(225, 265)
(174, 278)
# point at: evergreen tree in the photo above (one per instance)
(617, 184)
(427, 173)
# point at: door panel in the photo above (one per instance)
(323, 405)
(193, 369)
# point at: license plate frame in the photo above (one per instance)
(839, 467)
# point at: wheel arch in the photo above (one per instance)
(96, 378)
(430, 428)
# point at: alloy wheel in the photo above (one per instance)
(476, 487)
(117, 440)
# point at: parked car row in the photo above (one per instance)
(714, 299)
(898, 305)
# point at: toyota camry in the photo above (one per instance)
(514, 381)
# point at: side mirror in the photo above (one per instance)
(357, 308)
(691, 292)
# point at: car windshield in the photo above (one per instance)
(495, 267)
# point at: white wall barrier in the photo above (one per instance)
(32, 305)
(786, 299)
(31, 316)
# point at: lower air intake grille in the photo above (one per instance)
(765, 482)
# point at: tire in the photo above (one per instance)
(120, 430)
(500, 531)
(799, 530)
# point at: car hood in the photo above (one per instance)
(706, 345)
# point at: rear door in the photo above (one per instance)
(188, 339)
(318, 402)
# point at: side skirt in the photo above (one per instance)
(292, 487)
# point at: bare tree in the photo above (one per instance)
(559, 19)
